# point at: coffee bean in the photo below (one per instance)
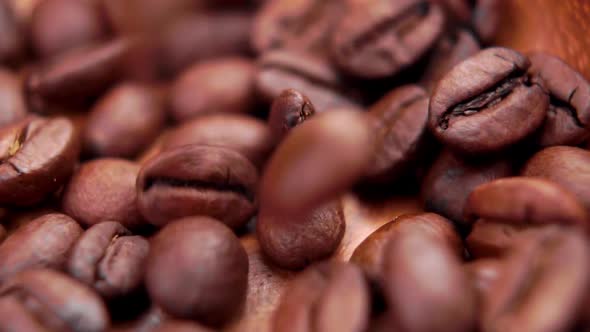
(423, 274)
(319, 160)
(12, 41)
(206, 254)
(451, 179)
(525, 200)
(288, 110)
(549, 268)
(487, 103)
(61, 25)
(311, 75)
(37, 156)
(325, 297)
(486, 18)
(370, 254)
(493, 239)
(43, 242)
(293, 242)
(567, 166)
(13, 107)
(51, 300)
(401, 135)
(247, 135)
(76, 75)
(109, 259)
(198, 180)
(124, 122)
(568, 116)
(379, 38)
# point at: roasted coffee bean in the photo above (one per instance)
(422, 274)
(247, 135)
(77, 75)
(61, 25)
(379, 38)
(205, 253)
(199, 37)
(198, 180)
(221, 85)
(568, 116)
(371, 252)
(487, 103)
(448, 52)
(13, 106)
(401, 134)
(109, 259)
(288, 110)
(551, 268)
(493, 239)
(12, 41)
(293, 242)
(104, 189)
(51, 301)
(451, 179)
(124, 122)
(302, 24)
(311, 75)
(525, 200)
(36, 158)
(328, 296)
(319, 160)
(567, 166)
(43, 242)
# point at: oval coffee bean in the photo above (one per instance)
(124, 122)
(493, 239)
(12, 37)
(288, 110)
(57, 302)
(43, 242)
(423, 274)
(379, 38)
(310, 74)
(370, 254)
(487, 103)
(525, 200)
(77, 75)
(13, 106)
(567, 166)
(205, 253)
(223, 85)
(245, 134)
(109, 259)
(293, 242)
(198, 180)
(401, 134)
(318, 161)
(329, 296)
(549, 268)
(451, 179)
(62, 25)
(36, 158)
(568, 116)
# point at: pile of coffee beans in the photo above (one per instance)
(201, 165)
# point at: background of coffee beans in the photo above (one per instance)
(294, 165)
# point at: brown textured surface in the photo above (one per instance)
(558, 27)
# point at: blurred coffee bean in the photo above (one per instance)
(288, 110)
(216, 86)
(53, 302)
(101, 190)
(12, 39)
(567, 166)
(13, 106)
(61, 25)
(205, 253)
(38, 156)
(247, 135)
(486, 18)
(109, 259)
(42, 242)
(124, 122)
(198, 180)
